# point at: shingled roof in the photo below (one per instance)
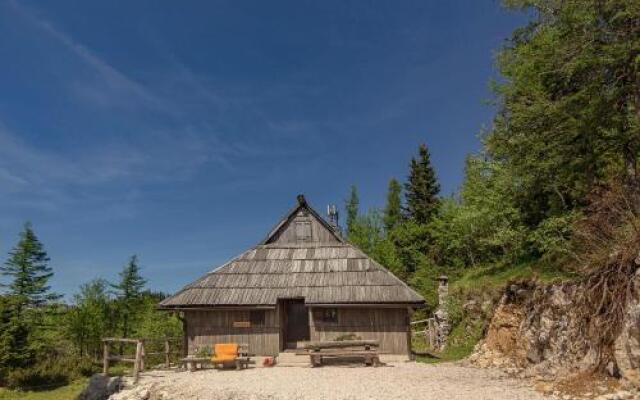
(302, 257)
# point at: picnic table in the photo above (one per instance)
(366, 350)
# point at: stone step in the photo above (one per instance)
(292, 360)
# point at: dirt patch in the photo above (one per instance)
(402, 381)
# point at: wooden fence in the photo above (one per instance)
(141, 355)
(427, 329)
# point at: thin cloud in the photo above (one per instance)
(121, 88)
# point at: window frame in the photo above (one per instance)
(257, 318)
(328, 315)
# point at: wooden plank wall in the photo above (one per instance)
(205, 328)
(390, 326)
(318, 232)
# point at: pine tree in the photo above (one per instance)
(26, 294)
(352, 206)
(421, 189)
(129, 294)
(393, 209)
(29, 272)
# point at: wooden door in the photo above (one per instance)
(297, 322)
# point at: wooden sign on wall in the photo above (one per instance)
(241, 324)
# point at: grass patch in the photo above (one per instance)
(497, 275)
(461, 342)
(69, 392)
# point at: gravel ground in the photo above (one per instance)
(404, 381)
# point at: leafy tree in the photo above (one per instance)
(29, 272)
(569, 106)
(393, 208)
(90, 317)
(129, 295)
(422, 188)
(154, 323)
(352, 204)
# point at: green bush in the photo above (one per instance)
(49, 373)
(35, 378)
(348, 336)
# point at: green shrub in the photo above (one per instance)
(348, 336)
(49, 373)
(35, 378)
(204, 352)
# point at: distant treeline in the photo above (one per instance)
(45, 342)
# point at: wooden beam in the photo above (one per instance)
(341, 344)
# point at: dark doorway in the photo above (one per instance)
(296, 323)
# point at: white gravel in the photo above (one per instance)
(404, 381)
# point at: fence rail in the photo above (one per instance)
(427, 329)
(138, 359)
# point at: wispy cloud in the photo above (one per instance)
(112, 87)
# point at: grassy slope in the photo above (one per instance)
(69, 392)
(483, 282)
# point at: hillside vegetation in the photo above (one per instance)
(552, 194)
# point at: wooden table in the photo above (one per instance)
(365, 349)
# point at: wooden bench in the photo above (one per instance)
(191, 363)
(242, 360)
(346, 349)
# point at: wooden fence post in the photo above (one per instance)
(142, 356)
(166, 354)
(137, 362)
(105, 355)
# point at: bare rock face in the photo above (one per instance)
(538, 329)
(627, 345)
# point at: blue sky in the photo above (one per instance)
(182, 131)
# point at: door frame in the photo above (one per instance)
(283, 318)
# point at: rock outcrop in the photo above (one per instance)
(541, 331)
(100, 387)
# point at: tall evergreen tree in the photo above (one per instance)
(352, 205)
(393, 209)
(129, 294)
(422, 188)
(27, 291)
(28, 272)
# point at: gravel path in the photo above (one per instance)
(404, 381)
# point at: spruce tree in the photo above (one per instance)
(352, 206)
(28, 272)
(26, 292)
(421, 189)
(129, 294)
(393, 209)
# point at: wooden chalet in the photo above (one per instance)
(302, 282)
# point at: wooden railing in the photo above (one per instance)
(427, 329)
(138, 359)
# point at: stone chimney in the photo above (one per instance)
(443, 326)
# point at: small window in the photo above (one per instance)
(303, 231)
(257, 317)
(329, 315)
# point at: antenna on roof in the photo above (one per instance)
(332, 215)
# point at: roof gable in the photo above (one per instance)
(302, 224)
(324, 271)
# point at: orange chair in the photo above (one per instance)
(225, 354)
